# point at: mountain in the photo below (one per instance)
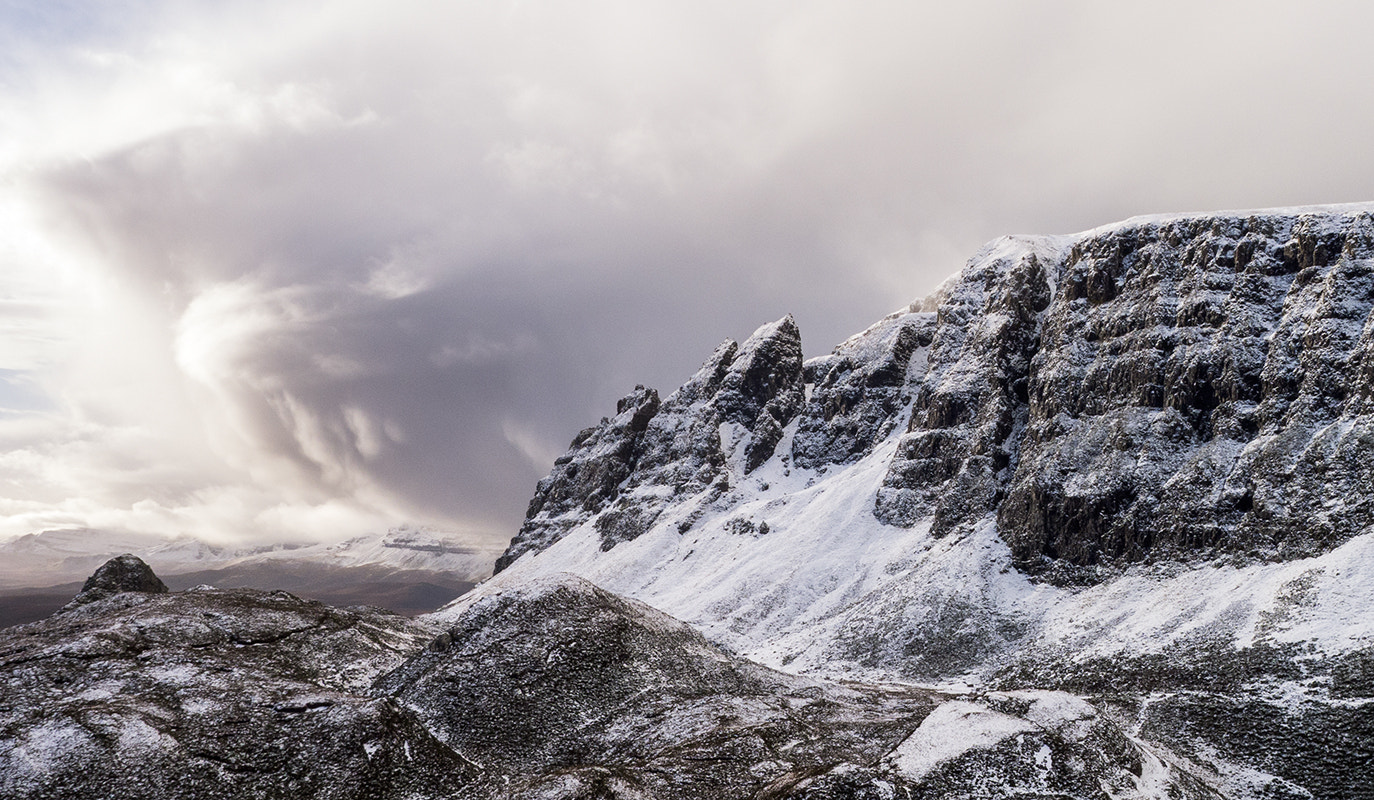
(1138, 459)
(1091, 521)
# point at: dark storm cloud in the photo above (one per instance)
(392, 260)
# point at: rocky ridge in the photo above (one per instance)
(1165, 388)
(727, 419)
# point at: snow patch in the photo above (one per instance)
(951, 730)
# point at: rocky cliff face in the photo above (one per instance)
(726, 420)
(1166, 388)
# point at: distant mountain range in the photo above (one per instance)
(406, 570)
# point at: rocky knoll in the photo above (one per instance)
(209, 694)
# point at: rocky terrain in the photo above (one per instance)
(1092, 521)
(556, 690)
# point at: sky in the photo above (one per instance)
(290, 270)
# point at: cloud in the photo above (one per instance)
(291, 267)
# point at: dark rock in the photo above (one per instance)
(586, 478)
(1209, 405)
(860, 390)
(969, 406)
(126, 573)
(561, 689)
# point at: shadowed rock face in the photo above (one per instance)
(859, 391)
(1160, 389)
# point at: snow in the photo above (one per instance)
(39, 749)
(1068, 715)
(1334, 210)
(1143, 613)
(827, 565)
(951, 730)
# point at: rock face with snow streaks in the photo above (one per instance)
(1165, 388)
(1200, 385)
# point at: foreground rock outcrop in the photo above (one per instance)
(557, 690)
(210, 694)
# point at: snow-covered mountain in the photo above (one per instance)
(1141, 456)
(1167, 414)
